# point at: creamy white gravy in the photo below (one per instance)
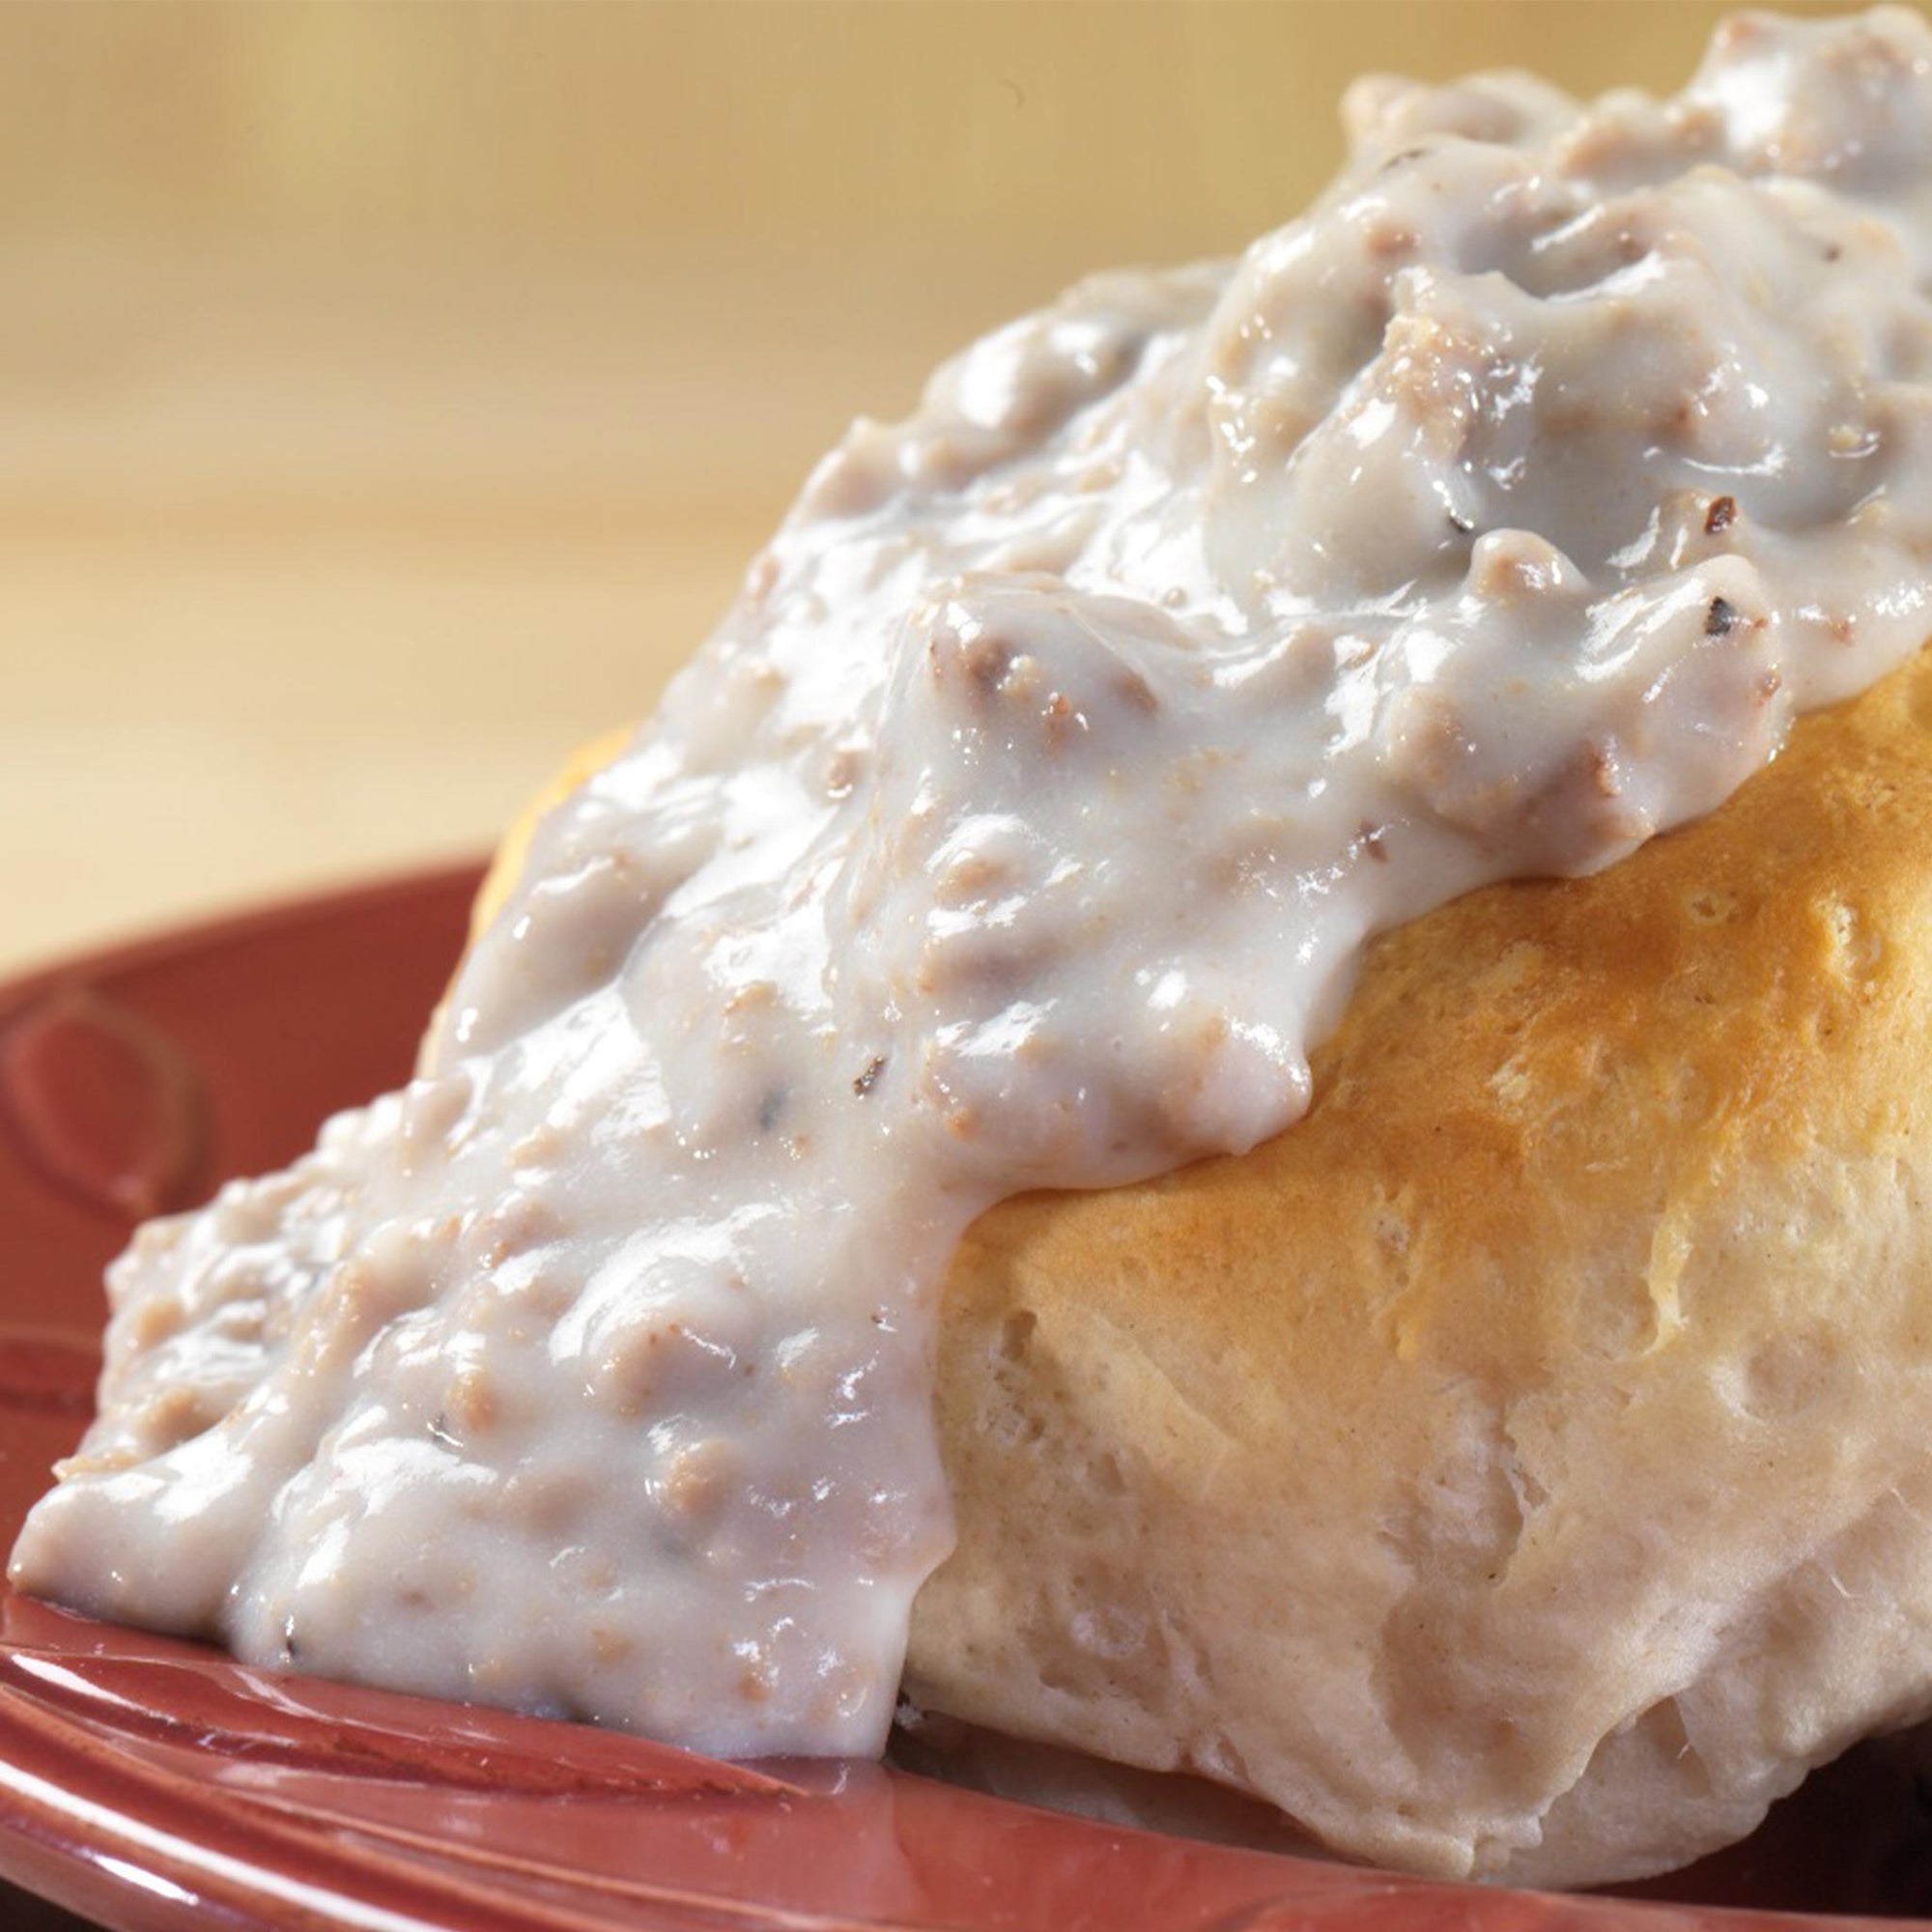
(1019, 828)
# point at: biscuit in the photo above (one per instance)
(1518, 1468)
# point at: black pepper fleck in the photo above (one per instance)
(1721, 618)
(1460, 523)
(866, 1080)
(1720, 516)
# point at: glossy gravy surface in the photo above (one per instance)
(1019, 828)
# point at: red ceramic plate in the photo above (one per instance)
(150, 1783)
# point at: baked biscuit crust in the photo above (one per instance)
(1520, 1467)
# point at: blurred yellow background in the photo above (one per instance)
(390, 393)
